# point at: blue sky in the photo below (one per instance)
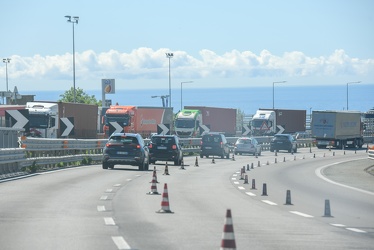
(215, 43)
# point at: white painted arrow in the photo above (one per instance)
(247, 130)
(69, 126)
(117, 128)
(281, 129)
(21, 119)
(164, 129)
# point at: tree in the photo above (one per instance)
(80, 97)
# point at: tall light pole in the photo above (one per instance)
(347, 90)
(273, 89)
(182, 93)
(169, 55)
(6, 61)
(73, 20)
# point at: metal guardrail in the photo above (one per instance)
(51, 152)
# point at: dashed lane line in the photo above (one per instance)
(120, 242)
(101, 208)
(104, 197)
(109, 221)
(302, 214)
(269, 202)
(355, 230)
(250, 194)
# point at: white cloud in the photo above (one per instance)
(148, 64)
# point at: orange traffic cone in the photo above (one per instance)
(165, 207)
(154, 175)
(228, 237)
(153, 186)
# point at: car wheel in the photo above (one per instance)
(201, 156)
(142, 166)
(295, 150)
(259, 153)
(228, 156)
(271, 150)
(111, 166)
(105, 165)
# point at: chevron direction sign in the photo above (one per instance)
(67, 126)
(17, 119)
(163, 129)
(115, 127)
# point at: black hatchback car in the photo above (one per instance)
(165, 148)
(283, 142)
(126, 149)
(214, 143)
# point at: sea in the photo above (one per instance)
(248, 99)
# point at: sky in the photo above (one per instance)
(216, 44)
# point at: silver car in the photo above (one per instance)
(246, 145)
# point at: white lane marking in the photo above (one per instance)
(302, 214)
(233, 178)
(337, 225)
(120, 242)
(242, 188)
(104, 197)
(319, 170)
(109, 190)
(236, 182)
(235, 174)
(138, 175)
(250, 194)
(128, 179)
(109, 221)
(116, 185)
(269, 202)
(355, 230)
(101, 208)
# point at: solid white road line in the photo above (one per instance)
(319, 170)
(120, 242)
(109, 221)
(302, 214)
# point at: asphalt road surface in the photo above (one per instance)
(92, 208)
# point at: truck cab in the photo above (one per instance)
(43, 119)
(263, 122)
(187, 123)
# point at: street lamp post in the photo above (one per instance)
(182, 93)
(347, 90)
(273, 89)
(73, 20)
(6, 61)
(169, 55)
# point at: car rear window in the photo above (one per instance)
(244, 141)
(163, 140)
(124, 139)
(211, 138)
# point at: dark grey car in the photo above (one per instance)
(165, 148)
(283, 142)
(126, 149)
(214, 143)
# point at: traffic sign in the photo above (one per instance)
(67, 126)
(163, 129)
(17, 119)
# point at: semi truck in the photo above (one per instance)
(62, 119)
(337, 129)
(268, 122)
(193, 121)
(136, 119)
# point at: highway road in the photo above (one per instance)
(91, 208)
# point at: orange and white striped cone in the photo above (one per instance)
(154, 175)
(153, 186)
(166, 172)
(228, 237)
(165, 206)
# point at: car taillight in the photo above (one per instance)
(174, 147)
(221, 145)
(137, 146)
(150, 146)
